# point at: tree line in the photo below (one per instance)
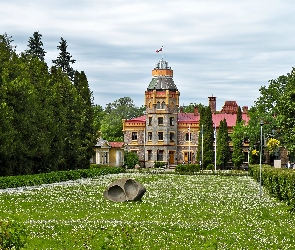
(46, 113)
(48, 120)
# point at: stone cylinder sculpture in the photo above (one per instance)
(124, 189)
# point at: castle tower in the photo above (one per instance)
(161, 102)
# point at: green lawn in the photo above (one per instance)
(177, 212)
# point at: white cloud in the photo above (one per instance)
(226, 48)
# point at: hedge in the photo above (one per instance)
(279, 182)
(52, 177)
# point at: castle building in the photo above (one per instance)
(165, 133)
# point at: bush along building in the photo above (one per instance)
(165, 133)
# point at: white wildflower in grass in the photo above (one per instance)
(176, 212)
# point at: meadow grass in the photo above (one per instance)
(176, 212)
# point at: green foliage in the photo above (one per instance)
(64, 60)
(238, 141)
(208, 137)
(35, 46)
(111, 124)
(58, 176)
(223, 149)
(98, 115)
(12, 235)
(187, 168)
(279, 182)
(131, 159)
(210, 167)
(275, 108)
(47, 121)
(159, 164)
(191, 107)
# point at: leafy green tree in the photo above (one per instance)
(98, 113)
(285, 110)
(64, 60)
(191, 107)
(36, 46)
(223, 149)
(111, 125)
(208, 137)
(266, 109)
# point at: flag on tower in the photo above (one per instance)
(158, 50)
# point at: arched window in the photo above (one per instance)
(162, 105)
(158, 105)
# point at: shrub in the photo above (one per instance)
(187, 168)
(131, 159)
(12, 235)
(210, 167)
(159, 164)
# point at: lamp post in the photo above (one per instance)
(215, 142)
(260, 159)
(202, 160)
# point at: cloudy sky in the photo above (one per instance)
(228, 48)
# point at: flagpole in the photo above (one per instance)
(162, 53)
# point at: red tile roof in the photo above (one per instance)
(191, 118)
(230, 119)
(116, 144)
(137, 119)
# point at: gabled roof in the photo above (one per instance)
(116, 144)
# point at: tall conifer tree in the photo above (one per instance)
(238, 141)
(223, 150)
(36, 46)
(208, 137)
(64, 60)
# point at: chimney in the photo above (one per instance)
(245, 109)
(181, 109)
(212, 103)
(196, 111)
